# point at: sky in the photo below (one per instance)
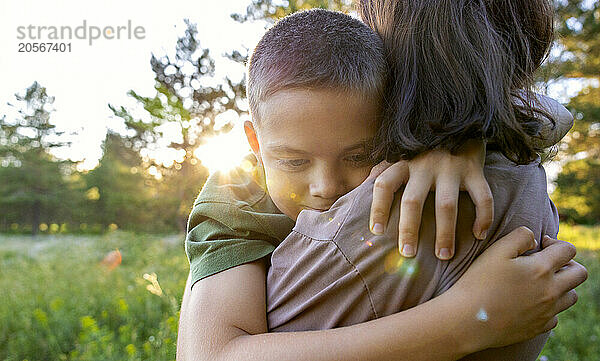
(85, 80)
(90, 77)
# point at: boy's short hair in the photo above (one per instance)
(318, 49)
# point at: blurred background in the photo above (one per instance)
(104, 147)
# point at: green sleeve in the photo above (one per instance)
(212, 247)
(224, 235)
(233, 222)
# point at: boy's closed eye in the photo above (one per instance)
(293, 164)
(354, 160)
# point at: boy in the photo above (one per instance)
(312, 145)
(331, 93)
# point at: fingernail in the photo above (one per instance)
(377, 228)
(408, 250)
(444, 253)
(483, 234)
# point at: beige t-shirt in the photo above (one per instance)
(332, 272)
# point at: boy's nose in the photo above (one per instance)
(328, 186)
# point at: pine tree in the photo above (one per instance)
(185, 101)
(34, 188)
(118, 193)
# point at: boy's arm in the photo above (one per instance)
(223, 317)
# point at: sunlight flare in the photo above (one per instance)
(223, 152)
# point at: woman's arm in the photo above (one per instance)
(445, 173)
(223, 316)
(224, 319)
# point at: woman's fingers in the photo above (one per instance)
(481, 195)
(386, 184)
(547, 241)
(446, 209)
(411, 207)
(379, 168)
(570, 276)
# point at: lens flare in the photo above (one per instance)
(224, 152)
(482, 315)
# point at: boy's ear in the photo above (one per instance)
(251, 137)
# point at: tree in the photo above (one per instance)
(117, 192)
(578, 185)
(577, 191)
(34, 187)
(185, 101)
(272, 10)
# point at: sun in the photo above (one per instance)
(224, 152)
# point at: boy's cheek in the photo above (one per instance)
(286, 195)
(287, 203)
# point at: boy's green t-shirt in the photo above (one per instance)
(233, 221)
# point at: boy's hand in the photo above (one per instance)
(447, 174)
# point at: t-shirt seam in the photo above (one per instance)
(354, 200)
(345, 218)
(339, 227)
(332, 240)
(350, 263)
(263, 195)
(311, 237)
(361, 278)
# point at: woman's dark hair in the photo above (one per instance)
(460, 69)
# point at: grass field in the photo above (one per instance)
(59, 301)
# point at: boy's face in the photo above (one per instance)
(313, 145)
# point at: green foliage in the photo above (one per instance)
(578, 28)
(583, 237)
(577, 194)
(119, 193)
(61, 302)
(585, 135)
(184, 102)
(34, 185)
(272, 10)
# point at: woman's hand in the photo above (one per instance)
(512, 298)
(447, 174)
